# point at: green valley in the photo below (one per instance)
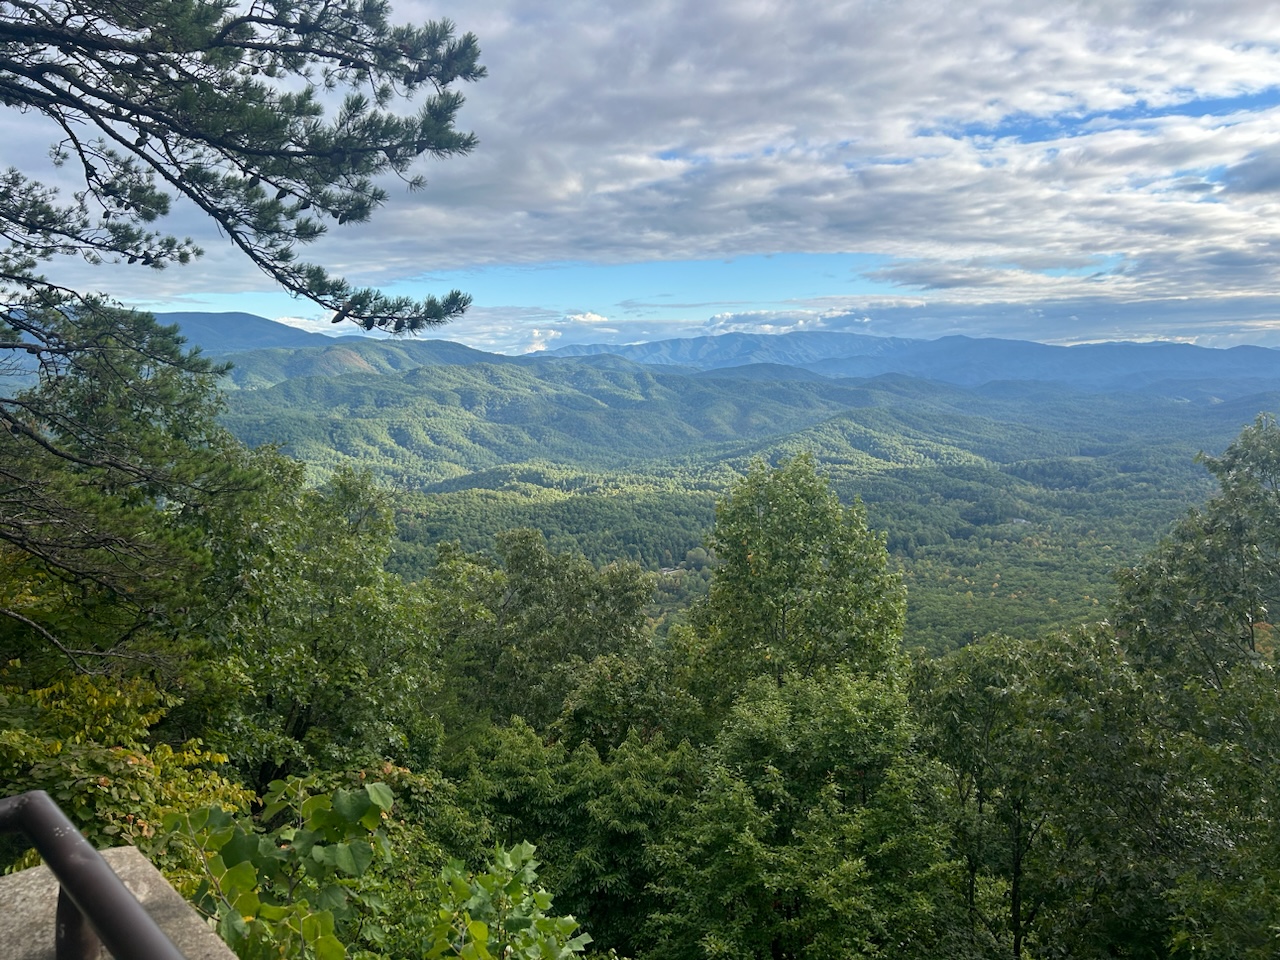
(1008, 504)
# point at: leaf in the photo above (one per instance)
(361, 855)
(381, 795)
(241, 877)
(341, 857)
(240, 847)
(247, 903)
(330, 948)
(351, 805)
(273, 912)
(315, 805)
(333, 897)
(232, 928)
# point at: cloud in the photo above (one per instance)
(1257, 173)
(511, 330)
(540, 339)
(325, 326)
(1007, 153)
(1208, 322)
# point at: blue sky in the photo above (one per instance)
(1054, 171)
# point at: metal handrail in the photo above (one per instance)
(89, 889)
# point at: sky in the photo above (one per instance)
(1053, 171)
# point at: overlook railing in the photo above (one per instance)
(95, 908)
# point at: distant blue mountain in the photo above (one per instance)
(223, 333)
(336, 357)
(266, 352)
(740, 349)
(1155, 367)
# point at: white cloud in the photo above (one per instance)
(991, 154)
(317, 325)
(540, 339)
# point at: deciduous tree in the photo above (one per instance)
(802, 584)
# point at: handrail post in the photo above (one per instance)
(89, 886)
(75, 938)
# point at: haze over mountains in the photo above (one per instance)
(958, 359)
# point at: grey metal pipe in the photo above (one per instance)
(121, 924)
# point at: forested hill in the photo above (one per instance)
(1009, 501)
(232, 332)
(440, 422)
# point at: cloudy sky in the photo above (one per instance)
(1044, 170)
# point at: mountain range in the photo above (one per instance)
(1019, 472)
(427, 411)
(277, 352)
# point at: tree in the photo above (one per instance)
(801, 585)
(105, 469)
(1200, 604)
(518, 637)
(88, 741)
(228, 106)
(1072, 805)
(1196, 616)
(108, 442)
(594, 818)
(315, 656)
(500, 913)
(814, 832)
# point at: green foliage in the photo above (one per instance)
(517, 635)
(801, 585)
(315, 655)
(616, 696)
(1195, 615)
(1225, 900)
(292, 890)
(108, 443)
(106, 463)
(1073, 804)
(499, 913)
(1049, 490)
(812, 834)
(221, 106)
(597, 819)
(1200, 604)
(85, 741)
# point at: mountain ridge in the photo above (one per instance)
(265, 353)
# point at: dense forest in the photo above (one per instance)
(342, 733)
(732, 648)
(1008, 504)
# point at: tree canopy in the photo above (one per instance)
(767, 778)
(802, 583)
